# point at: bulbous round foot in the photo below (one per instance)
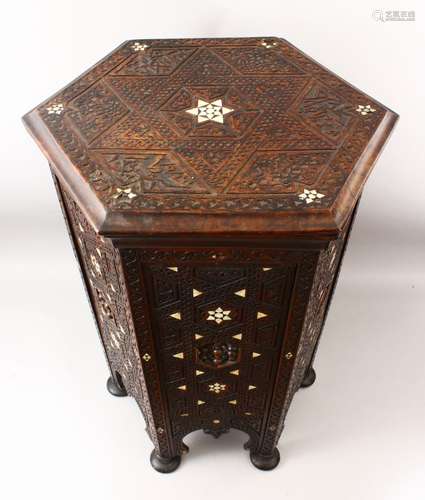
(164, 465)
(115, 389)
(309, 378)
(265, 462)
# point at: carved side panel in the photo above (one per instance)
(101, 268)
(324, 276)
(137, 307)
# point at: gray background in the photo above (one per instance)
(358, 432)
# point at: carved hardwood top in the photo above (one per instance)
(211, 135)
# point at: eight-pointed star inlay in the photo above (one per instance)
(213, 111)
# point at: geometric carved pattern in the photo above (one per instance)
(290, 125)
(227, 366)
(217, 354)
(96, 110)
(151, 173)
(282, 172)
(326, 111)
(155, 62)
(255, 60)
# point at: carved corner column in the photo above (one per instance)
(82, 234)
(313, 314)
(166, 455)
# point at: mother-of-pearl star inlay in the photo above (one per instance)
(213, 111)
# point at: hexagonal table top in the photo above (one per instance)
(212, 135)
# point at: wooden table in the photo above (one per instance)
(209, 187)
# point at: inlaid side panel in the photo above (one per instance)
(219, 332)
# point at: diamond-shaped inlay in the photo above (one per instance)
(210, 111)
(146, 357)
(217, 388)
(219, 315)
